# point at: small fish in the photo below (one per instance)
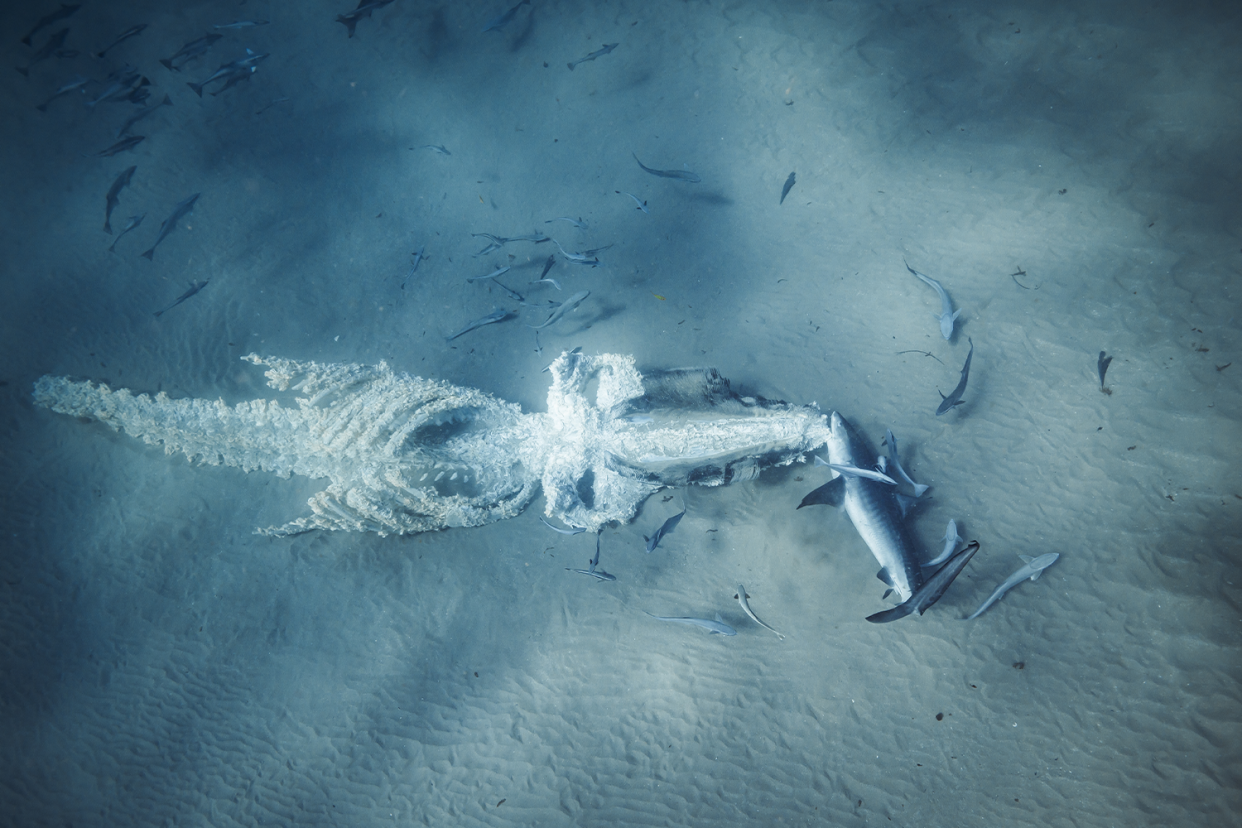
(598, 574)
(919, 488)
(1101, 365)
(573, 530)
(120, 146)
(741, 597)
(439, 148)
(608, 47)
(931, 590)
(122, 83)
(579, 223)
(564, 308)
(947, 315)
(951, 540)
(418, 259)
(853, 471)
(350, 19)
(955, 398)
(270, 104)
(578, 258)
(139, 93)
(179, 212)
(114, 196)
(133, 222)
(231, 72)
(245, 24)
(498, 315)
(638, 419)
(190, 51)
(45, 51)
(46, 20)
(510, 292)
(501, 20)
(717, 627)
(550, 281)
(1032, 569)
(132, 31)
(138, 116)
(77, 82)
(789, 182)
(498, 271)
(195, 287)
(642, 205)
(680, 175)
(666, 529)
(548, 266)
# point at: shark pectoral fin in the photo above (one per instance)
(919, 488)
(1026, 558)
(819, 461)
(956, 314)
(1038, 572)
(904, 502)
(897, 612)
(831, 493)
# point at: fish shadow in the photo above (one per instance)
(714, 198)
(523, 37)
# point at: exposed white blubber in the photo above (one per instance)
(405, 454)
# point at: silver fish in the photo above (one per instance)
(955, 398)
(179, 212)
(501, 20)
(77, 82)
(245, 24)
(573, 530)
(951, 540)
(741, 597)
(665, 529)
(642, 205)
(132, 31)
(919, 488)
(138, 116)
(195, 287)
(498, 315)
(717, 627)
(607, 47)
(564, 308)
(680, 175)
(190, 51)
(1032, 569)
(114, 196)
(133, 222)
(947, 315)
(350, 19)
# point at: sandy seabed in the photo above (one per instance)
(1069, 173)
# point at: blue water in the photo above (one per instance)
(1069, 173)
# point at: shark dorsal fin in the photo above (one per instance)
(884, 576)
